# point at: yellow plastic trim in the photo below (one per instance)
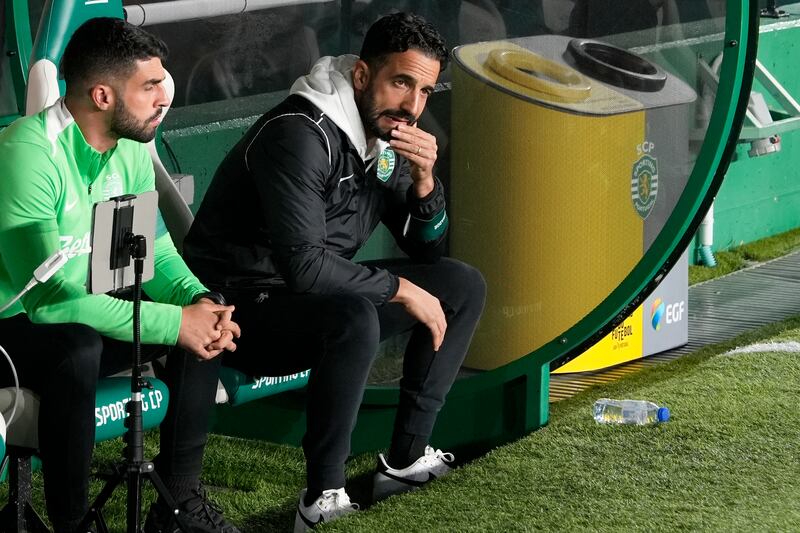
(570, 86)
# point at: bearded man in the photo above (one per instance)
(277, 231)
(55, 165)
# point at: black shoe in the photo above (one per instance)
(200, 515)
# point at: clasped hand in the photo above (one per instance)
(208, 329)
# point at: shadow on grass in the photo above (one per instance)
(277, 518)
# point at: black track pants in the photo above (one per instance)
(337, 337)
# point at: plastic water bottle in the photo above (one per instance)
(638, 412)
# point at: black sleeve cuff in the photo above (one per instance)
(429, 205)
(215, 297)
(394, 286)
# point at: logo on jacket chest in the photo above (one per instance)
(75, 245)
(112, 186)
(385, 165)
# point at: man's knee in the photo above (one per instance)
(465, 283)
(354, 317)
(473, 281)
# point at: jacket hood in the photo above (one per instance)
(329, 86)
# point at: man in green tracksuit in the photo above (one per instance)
(54, 166)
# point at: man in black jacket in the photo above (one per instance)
(286, 212)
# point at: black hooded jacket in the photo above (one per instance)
(292, 203)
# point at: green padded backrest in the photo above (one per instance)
(61, 18)
(59, 21)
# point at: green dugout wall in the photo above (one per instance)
(760, 196)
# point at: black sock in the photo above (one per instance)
(311, 496)
(65, 526)
(180, 487)
(406, 449)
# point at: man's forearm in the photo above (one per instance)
(320, 271)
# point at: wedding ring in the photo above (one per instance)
(419, 148)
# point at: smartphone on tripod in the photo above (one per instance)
(113, 223)
(122, 240)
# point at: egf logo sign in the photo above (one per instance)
(661, 312)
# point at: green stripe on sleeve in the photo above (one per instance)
(428, 230)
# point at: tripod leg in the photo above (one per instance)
(95, 514)
(121, 472)
(162, 491)
(19, 490)
(19, 514)
(134, 500)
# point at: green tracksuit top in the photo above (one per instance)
(49, 179)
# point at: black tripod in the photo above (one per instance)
(133, 467)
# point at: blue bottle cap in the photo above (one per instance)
(663, 414)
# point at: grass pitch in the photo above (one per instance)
(747, 255)
(727, 460)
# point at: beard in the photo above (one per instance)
(370, 115)
(125, 126)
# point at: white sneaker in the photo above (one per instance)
(388, 481)
(329, 506)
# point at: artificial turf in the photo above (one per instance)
(727, 460)
(747, 255)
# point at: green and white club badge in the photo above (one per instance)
(644, 185)
(385, 165)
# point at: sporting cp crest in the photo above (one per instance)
(385, 165)
(644, 185)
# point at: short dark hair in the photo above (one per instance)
(398, 33)
(104, 48)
